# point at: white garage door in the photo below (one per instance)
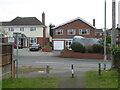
(58, 45)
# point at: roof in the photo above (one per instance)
(98, 30)
(78, 18)
(23, 21)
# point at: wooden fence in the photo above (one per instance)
(7, 64)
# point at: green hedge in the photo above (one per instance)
(77, 47)
(116, 53)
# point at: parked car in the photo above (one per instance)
(34, 47)
(19, 46)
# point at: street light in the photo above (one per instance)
(17, 35)
(105, 57)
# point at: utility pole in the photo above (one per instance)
(113, 32)
(105, 37)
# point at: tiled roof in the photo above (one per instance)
(78, 18)
(23, 21)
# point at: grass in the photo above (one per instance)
(107, 79)
(38, 82)
(29, 69)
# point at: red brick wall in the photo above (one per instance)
(40, 41)
(74, 25)
(83, 55)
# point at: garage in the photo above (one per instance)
(58, 45)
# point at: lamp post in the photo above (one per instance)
(113, 32)
(17, 35)
(105, 37)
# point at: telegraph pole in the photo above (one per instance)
(113, 32)
(105, 37)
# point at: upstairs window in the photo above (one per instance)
(21, 28)
(84, 32)
(33, 29)
(59, 32)
(71, 31)
(11, 29)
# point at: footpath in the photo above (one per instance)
(65, 78)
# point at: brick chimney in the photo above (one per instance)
(94, 22)
(43, 18)
(44, 29)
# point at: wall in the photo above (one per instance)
(74, 25)
(83, 55)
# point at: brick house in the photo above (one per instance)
(30, 29)
(63, 34)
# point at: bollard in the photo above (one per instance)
(99, 71)
(72, 71)
(47, 70)
(104, 66)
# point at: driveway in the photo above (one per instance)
(26, 52)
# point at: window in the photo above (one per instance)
(33, 29)
(10, 29)
(68, 43)
(84, 31)
(21, 28)
(33, 40)
(71, 32)
(59, 32)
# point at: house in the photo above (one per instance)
(30, 30)
(99, 34)
(63, 34)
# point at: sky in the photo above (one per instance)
(59, 11)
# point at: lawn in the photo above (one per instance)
(28, 69)
(107, 79)
(38, 82)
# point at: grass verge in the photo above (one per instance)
(107, 79)
(38, 82)
(25, 69)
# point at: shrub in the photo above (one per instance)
(98, 48)
(89, 49)
(77, 47)
(116, 53)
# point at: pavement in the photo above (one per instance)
(61, 67)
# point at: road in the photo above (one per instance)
(58, 64)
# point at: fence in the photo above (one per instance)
(7, 64)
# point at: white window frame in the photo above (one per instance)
(59, 32)
(32, 28)
(71, 31)
(87, 31)
(68, 43)
(11, 29)
(22, 29)
(35, 40)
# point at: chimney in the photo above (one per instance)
(43, 18)
(94, 22)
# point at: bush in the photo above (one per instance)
(98, 48)
(89, 49)
(77, 47)
(116, 53)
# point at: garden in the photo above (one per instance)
(95, 51)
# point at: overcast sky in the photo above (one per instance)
(58, 11)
